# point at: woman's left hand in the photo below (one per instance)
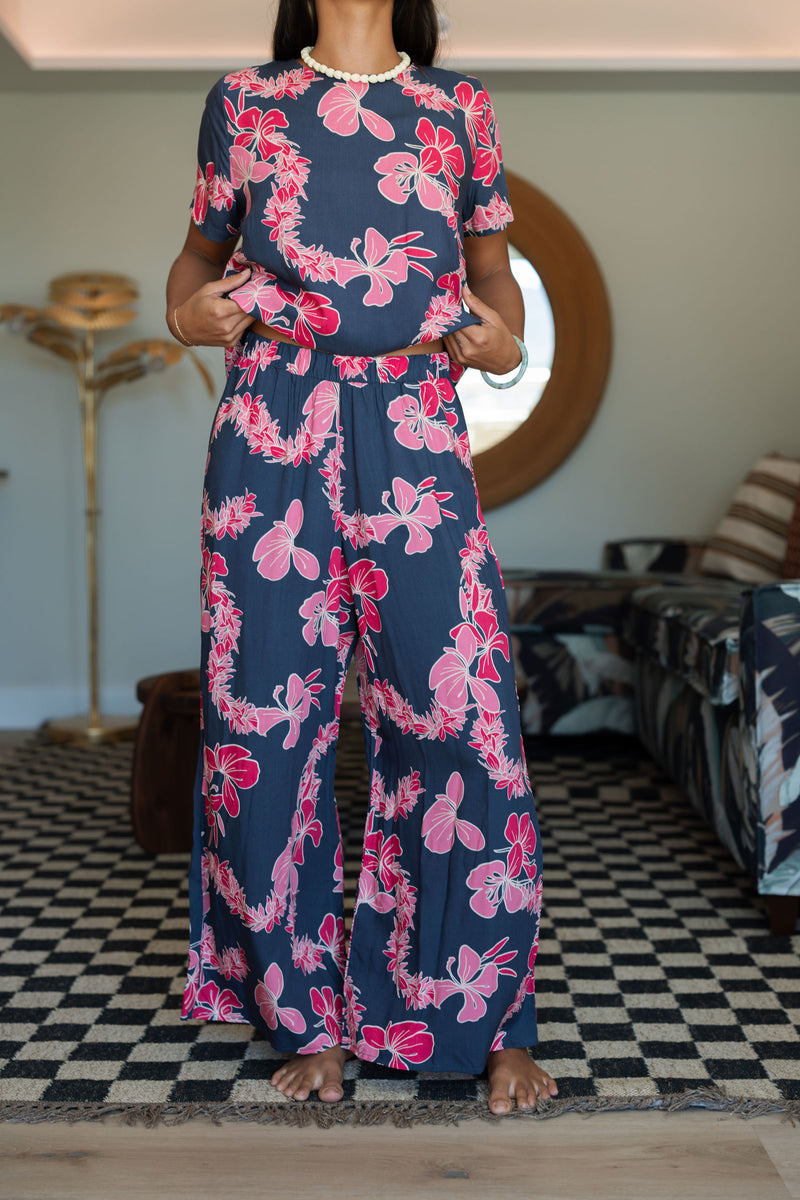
(489, 346)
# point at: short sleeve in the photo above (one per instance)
(215, 205)
(486, 207)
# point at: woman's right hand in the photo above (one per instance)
(208, 318)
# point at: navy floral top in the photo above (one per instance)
(352, 199)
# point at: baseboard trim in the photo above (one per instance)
(29, 707)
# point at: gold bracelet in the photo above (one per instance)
(185, 340)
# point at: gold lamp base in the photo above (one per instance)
(84, 731)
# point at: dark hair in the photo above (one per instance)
(415, 28)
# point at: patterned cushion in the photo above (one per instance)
(750, 542)
(692, 631)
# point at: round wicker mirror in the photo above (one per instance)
(582, 355)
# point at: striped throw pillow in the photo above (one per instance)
(750, 542)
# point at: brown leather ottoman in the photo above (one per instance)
(165, 761)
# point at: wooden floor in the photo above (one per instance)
(694, 1155)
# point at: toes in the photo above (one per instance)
(330, 1086)
(523, 1097)
(298, 1079)
(500, 1103)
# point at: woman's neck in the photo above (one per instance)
(355, 35)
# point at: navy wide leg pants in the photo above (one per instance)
(340, 516)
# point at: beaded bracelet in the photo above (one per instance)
(523, 366)
(184, 339)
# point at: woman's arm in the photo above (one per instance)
(195, 289)
(494, 295)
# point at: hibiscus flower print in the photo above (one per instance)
(255, 129)
(301, 694)
(383, 266)
(405, 173)
(320, 408)
(330, 1008)
(321, 612)
(315, 314)
(442, 824)
(416, 423)
(475, 977)
(413, 509)
(213, 191)
(494, 215)
(267, 994)
(259, 292)
(455, 687)
(493, 885)
(369, 583)
(238, 769)
(404, 177)
(299, 504)
(215, 1004)
(484, 628)
(473, 105)
(276, 551)
(409, 1043)
(342, 112)
(520, 833)
(384, 263)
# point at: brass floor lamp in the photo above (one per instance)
(81, 306)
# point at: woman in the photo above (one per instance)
(340, 516)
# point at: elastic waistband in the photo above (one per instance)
(255, 351)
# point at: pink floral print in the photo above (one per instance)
(441, 716)
(343, 112)
(441, 823)
(276, 551)
(408, 1042)
(340, 521)
(268, 993)
(418, 165)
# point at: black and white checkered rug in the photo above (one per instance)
(658, 983)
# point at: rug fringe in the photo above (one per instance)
(403, 1116)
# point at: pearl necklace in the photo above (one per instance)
(350, 76)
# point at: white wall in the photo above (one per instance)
(688, 190)
(690, 199)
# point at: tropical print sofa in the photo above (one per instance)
(705, 670)
(574, 667)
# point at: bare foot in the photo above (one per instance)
(514, 1074)
(305, 1073)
